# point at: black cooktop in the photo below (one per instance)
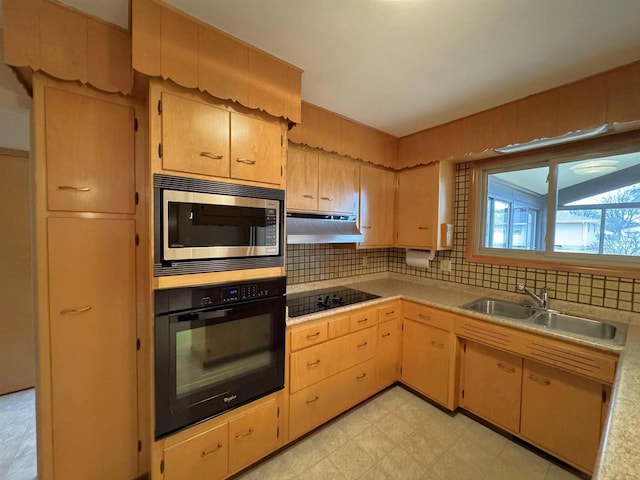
(318, 300)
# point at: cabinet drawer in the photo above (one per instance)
(310, 366)
(388, 312)
(428, 316)
(356, 384)
(355, 348)
(202, 456)
(310, 407)
(252, 436)
(339, 326)
(363, 319)
(308, 335)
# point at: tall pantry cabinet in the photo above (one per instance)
(86, 224)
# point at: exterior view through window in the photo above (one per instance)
(577, 208)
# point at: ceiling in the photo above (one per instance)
(405, 65)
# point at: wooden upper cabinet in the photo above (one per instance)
(269, 79)
(623, 94)
(89, 153)
(179, 47)
(537, 117)
(302, 180)
(92, 295)
(146, 44)
(582, 105)
(223, 64)
(337, 184)
(256, 149)
(377, 195)
(109, 59)
(424, 207)
(195, 136)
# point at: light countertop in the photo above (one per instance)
(619, 456)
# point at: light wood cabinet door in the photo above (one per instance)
(93, 347)
(195, 137)
(252, 435)
(201, 457)
(337, 184)
(377, 201)
(354, 385)
(425, 360)
(492, 383)
(308, 335)
(417, 208)
(561, 412)
(302, 180)
(310, 407)
(256, 149)
(363, 319)
(353, 349)
(388, 355)
(89, 154)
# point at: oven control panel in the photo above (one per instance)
(244, 292)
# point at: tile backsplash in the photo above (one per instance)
(308, 263)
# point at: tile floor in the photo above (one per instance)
(397, 435)
(18, 459)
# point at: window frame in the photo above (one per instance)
(547, 259)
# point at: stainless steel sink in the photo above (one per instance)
(501, 308)
(550, 319)
(577, 325)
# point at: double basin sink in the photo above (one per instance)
(550, 319)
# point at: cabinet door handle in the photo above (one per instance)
(366, 227)
(75, 311)
(424, 317)
(541, 381)
(330, 199)
(73, 189)
(312, 197)
(313, 364)
(503, 367)
(362, 345)
(361, 376)
(313, 335)
(437, 345)
(362, 320)
(391, 312)
(245, 160)
(423, 228)
(204, 453)
(385, 335)
(214, 156)
(246, 434)
(313, 400)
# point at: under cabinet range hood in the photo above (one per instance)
(322, 228)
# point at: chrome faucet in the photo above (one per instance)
(542, 300)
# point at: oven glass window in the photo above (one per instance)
(205, 225)
(216, 354)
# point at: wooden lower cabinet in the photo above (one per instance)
(426, 360)
(561, 412)
(252, 435)
(387, 359)
(491, 384)
(229, 445)
(201, 457)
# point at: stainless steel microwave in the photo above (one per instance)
(214, 226)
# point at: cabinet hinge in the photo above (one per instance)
(160, 150)
(137, 240)
(281, 140)
(281, 170)
(464, 348)
(278, 415)
(137, 344)
(139, 445)
(604, 396)
(159, 107)
(137, 198)
(400, 370)
(462, 393)
(278, 432)
(135, 124)
(161, 466)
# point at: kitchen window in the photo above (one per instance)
(574, 208)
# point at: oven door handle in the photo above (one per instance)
(204, 315)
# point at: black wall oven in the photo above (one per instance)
(206, 226)
(216, 347)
